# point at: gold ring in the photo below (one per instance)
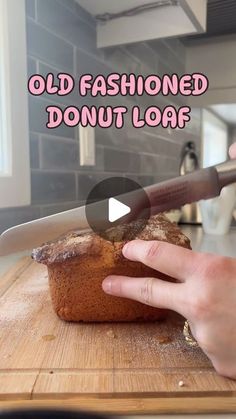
(187, 334)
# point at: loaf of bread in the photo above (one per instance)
(78, 263)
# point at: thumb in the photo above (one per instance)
(150, 291)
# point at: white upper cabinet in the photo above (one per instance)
(145, 19)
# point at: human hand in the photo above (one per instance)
(205, 294)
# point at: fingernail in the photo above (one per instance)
(125, 249)
(106, 285)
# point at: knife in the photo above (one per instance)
(171, 194)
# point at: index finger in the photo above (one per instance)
(174, 261)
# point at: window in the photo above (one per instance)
(215, 139)
(14, 131)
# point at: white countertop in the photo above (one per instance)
(222, 245)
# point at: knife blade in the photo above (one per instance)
(171, 194)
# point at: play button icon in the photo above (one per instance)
(113, 204)
(117, 210)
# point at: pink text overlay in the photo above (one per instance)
(121, 85)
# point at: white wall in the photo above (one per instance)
(217, 60)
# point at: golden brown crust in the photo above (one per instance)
(77, 265)
(77, 245)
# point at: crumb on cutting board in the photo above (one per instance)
(47, 338)
(111, 334)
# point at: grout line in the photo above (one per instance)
(159, 156)
(78, 172)
(54, 137)
(37, 65)
(74, 61)
(97, 173)
(76, 186)
(66, 203)
(58, 171)
(59, 139)
(159, 136)
(40, 153)
(47, 64)
(54, 102)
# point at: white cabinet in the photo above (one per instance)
(157, 19)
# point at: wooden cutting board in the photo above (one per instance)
(121, 368)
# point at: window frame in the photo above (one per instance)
(15, 180)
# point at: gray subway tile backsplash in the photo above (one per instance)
(12, 216)
(38, 119)
(150, 164)
(61, 38)
(71, 99)
(89, 64)
(30, 8)
(59, 154)
(47, 210)
(34, 151)
(122, 61)
(31, 66)
(86, 182)
(116, 160)
(67, 24)
(177, 48)
(156, 165)
(144, 54)
(44, 45)
(74, 6)
(49, 187)
(145, 180)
